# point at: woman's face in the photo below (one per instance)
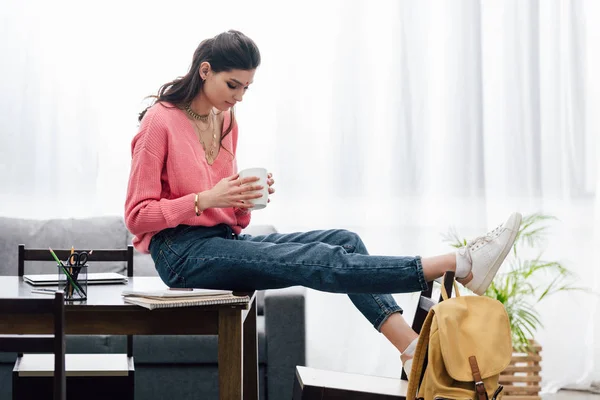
(225, 89)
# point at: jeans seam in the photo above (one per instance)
(168, 244)
(379, 303)
(385, 315)
(314, 264)
(179, 277)
(422, 281)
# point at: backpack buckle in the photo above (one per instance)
(481, 392)
(479, 386)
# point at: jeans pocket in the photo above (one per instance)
(178, 240)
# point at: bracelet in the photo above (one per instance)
(198, 211)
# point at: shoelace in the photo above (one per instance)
(482, 240)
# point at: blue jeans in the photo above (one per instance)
(331, 261)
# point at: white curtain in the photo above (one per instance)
(396, 119)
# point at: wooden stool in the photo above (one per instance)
(329, 385)
(89, 376)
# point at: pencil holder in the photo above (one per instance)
(72, 279)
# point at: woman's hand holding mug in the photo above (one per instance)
(232, 191)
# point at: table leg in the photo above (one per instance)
(230, 354)
(250, 355)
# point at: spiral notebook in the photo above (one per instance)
(172, 302)
(173, 293)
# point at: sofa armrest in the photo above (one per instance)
(285, 329)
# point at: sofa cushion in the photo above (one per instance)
(184, 382)
(257, 230)
(88, 233)
(143, 265)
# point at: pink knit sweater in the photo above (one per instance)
(168, 168)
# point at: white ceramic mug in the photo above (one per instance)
(261, 173)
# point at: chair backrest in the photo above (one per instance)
(22, 309)
(426, 302)
(96, 256)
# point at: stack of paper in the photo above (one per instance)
(168, 298)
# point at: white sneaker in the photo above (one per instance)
(484, 255)
(409, 351)
(407, 366)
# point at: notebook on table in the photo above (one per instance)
(92, 279)
(170, 298)
(154, 303)
(174, 293)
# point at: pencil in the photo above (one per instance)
(71, 269)
(54, 255)
(61, 265)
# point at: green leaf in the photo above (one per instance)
(453, 239)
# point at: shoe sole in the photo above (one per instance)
(491, 274)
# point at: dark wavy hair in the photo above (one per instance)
(225, 52)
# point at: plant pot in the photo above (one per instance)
(521, 379)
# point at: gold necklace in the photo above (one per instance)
(210, 153)
(209, 126)
(194, 115)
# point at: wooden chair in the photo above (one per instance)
(88, 365)
(24, 308)
(315, 384)
(96, 256)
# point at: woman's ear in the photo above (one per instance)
(204, 70)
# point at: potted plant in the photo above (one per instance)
(526, 282)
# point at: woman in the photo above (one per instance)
(186, 206)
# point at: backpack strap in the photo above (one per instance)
(479, 386)
(416, 372)
(444, 292)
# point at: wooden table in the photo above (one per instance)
(105, 313)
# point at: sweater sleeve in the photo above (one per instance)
(145, 210)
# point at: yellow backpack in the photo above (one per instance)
(467, 343)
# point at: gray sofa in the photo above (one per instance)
(167, 367)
